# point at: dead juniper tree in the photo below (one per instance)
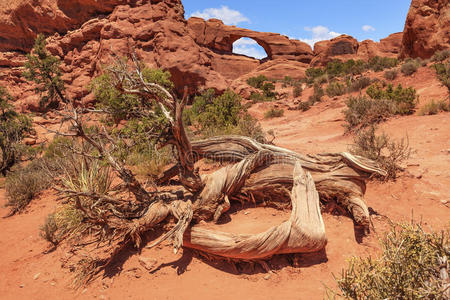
(114, 217)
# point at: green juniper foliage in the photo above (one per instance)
(267, 89)
(43, 69)
(217, 115)
(443, 73)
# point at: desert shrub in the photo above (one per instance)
(259, 97)
(408, 267)
(318, 94)
(404, 99)
(336, 89)
(321, 79)
(220, 115)
(13, 128)
(315, 97)
(257, 81)
(25, 183)
(378, 63)
(337, 68)
(409, 67)
(150, 163)
(304, 105)
(41, 66)
(443, 73)
(313, 73)
(381, 148)
(267, 88)
(391, 74)
(297, 91)
(48, 230)
(58, 147)
(287, 81)
(363, 111)
(434, 107)
(273, 113)
(90, 184)
(359, 84)
(440, 56)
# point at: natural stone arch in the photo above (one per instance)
(219, 37)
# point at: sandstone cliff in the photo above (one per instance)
(427, 28)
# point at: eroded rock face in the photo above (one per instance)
(219, 37)
(427, 28)
(345, 47)
(342, 47)
(22, 20)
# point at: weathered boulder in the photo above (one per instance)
(427, 28)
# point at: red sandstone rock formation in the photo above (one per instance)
(21, 20)
(427, 28)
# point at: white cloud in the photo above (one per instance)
(249, 47)
(224, 13)
(368, 28)
(319, 33)
(245, 42)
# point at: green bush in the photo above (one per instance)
(378, 63)
(338, 68)
(297, 91)
(390, 74)
(359, 84)
(267, 88)
(403, 98)
(336, 89)
(259, 97)
(48, 230)
(313, 73)
(318, 94)
(304, 105)
(273, 113)
(380, 148)
(219, 115)
(257, 82)
(433, 107)
(409, 67)
(408, 267)
(25, 183)
(362, 111)
(440, 56)
(443, 73)
(13, 128)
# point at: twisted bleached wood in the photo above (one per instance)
(338, 176)
(303, 232)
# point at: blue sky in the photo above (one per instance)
(309, 21)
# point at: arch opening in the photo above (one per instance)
(249, 47)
